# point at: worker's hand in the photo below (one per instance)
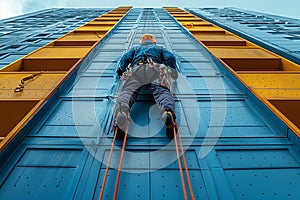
(120, 72)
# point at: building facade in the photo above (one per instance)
(235, 145)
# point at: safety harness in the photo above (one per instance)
(163, 71)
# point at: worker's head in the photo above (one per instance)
(149, 37)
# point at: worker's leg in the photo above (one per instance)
(127, 95)
(124, 102)
(163, 98)
(166, 103)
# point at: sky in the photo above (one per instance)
(288, 8)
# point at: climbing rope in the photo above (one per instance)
(184, 163)
(180, 166)
(20, 88)
(177, 139)
(148, 13)
(120, 165)
(185, 166)
(153, 30)
(145, 21)
(108, 165)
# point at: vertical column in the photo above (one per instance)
(38, 74)
(272, 78)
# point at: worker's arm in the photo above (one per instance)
(125, 60)
(170, 60)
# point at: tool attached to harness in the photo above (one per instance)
(165, 78)
(164, 72)
(128, 73)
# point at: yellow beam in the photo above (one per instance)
(37, 88)
(274, 86)
(60, 52)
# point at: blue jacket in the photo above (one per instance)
(157, 53)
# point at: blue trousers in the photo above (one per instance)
(144, 75)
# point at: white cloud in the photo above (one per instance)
(34, 5)
(9, 8)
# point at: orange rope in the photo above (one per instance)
(152, 23)
(145, 16)
(180, 167)
(186, 167)
(108, 165)
(120, 165)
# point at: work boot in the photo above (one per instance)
(121, 123)
(170, 121)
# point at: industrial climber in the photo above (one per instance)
(146, 64)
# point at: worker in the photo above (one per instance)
(146, 64)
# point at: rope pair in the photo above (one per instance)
(121, 161)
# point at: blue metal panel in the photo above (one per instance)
(169, 180)
(76, 112)
(48, 176)
(260, 28)
(132, 184)
(167, 159)
(256, 158)
(259, 183)
(11, 57)
(253, 172)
